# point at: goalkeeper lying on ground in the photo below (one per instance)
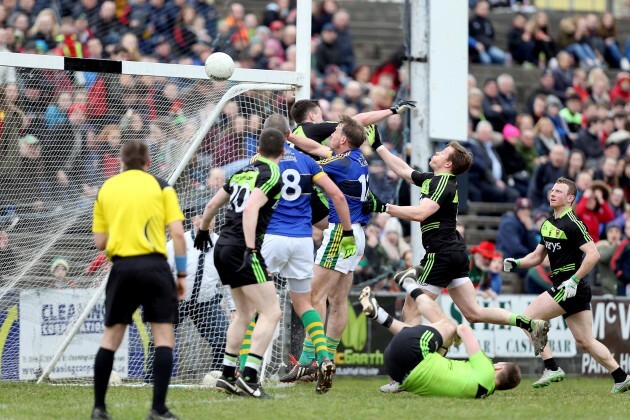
(415, 356)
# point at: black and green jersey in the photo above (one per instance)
(263, 174)
(439, 376)
(563, 238)
(438, 230)
(320, 132)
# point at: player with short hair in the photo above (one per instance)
(415, 356)
(252, 193)
(445, 264)
(332, 279)
(130, 214)
(572, 255)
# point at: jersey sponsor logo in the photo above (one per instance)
(553, 246)
(548, 230)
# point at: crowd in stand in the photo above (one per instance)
(575, 123)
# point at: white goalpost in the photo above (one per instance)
(63, 124)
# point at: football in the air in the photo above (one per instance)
(219, 66)
(210, 380)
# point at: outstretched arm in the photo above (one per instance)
(218, 200)
(469, 339)
(371, 117)
(310, 146)
(532, 259)
(396, 164)
(417, 213)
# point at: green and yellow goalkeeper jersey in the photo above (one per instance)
(439, 376)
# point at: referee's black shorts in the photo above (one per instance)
(408, 348)
(229, 258)
(144, 280)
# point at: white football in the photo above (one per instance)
(115, 379)
(219, 66)
(210, 380)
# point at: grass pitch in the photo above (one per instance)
(350, 398)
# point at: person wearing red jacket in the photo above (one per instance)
(593, 208)
(621, 89)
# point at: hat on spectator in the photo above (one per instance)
(510, 131)
(28, 139)
(554, 100)
(522, 203)
(329, 27)
(611, 226)
(59, 262)
(76, 107)
(485, 248)
(601, 185)
(618, 137)
(276, 25)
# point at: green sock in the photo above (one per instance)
(332, 347)
(521, 321)
(308, 351)
(246, 344)
(315, 329)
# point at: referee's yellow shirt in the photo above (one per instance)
(133, 208)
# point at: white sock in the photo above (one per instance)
(410, 286)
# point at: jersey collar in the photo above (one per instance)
(563, 213)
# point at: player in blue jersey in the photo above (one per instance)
(348, 168)
(288, 244)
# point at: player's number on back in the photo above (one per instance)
(239, 196)
(365, 182)
(291, 189)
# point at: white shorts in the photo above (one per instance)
(328, 253)
(291, 258)
(438, 289)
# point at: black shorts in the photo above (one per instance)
(229, 258)
(578, 303)
(442, 267)
(144, 280)
(319, 206)
(408, 348)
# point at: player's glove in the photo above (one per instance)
(248, 255)
(570, 287)
(203, 240)
(373, 204)
(348, 244)
(402, 106)
(510, 264)
(373, 136)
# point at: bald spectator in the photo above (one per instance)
(547, 173)
(507, 97)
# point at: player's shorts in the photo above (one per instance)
(408, 348)
(144, 280)
(578, 303)
(328, 253)
(291, 258)
(319, 206)
(444, 269)
(229, 258)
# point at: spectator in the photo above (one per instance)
(572, 37)
(161, 18)
(341, 22)
(8, 258)
(538, 279)
(486, 174)
(30, 175)
(328, 51)
(563, 75)
(481, 257)
(571, 117)
(59, 269)
(544, 45)
(475, 106)
(545, 88)
(481, 36)
(375, 258)
(575, 164)
(621, 88)
(236, 24)
(493, 106)
(514, 166)
(579, 84)
(107, 27)
(276, 10)
(624, 179)
(7, 74)
(393, 243)
(593, 208)
(68, 42)
(607, 30)
(517, 231)
(606, 248)
(608, 172)
(507, 97)
(620, 263)
(546, 136)
(547, 173)
(527, 150)
(520, 42)
(90, 9)
(588, 142)
(45, 29)
(208, 15)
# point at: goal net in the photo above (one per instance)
(62, 123)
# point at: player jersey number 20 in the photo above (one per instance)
(239, 196)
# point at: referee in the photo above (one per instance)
(130, 215)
